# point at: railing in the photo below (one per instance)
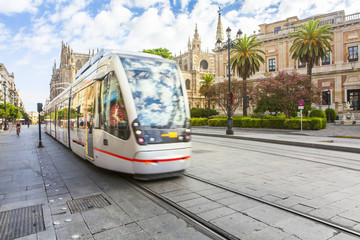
(352, 17)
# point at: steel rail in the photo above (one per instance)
(307, 216)
(204, 226)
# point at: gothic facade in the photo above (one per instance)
(70, 63)
(194, 63)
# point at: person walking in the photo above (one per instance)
(18, 127)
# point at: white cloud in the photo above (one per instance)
(133, 25)
(19, 6)
(68, 11)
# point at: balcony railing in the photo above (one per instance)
(351, 17)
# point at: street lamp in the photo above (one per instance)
(229, 130)
(238, 34)
(329, 102)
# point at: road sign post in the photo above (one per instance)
(301, 107)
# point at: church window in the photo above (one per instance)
(187, 83)
(78, 64)
(185, 65)
(204, 64)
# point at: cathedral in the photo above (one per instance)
(194, 63)
(70, 63)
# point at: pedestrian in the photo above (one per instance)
(9, 126)
(18, 127)
(28, 124)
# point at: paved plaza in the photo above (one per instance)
(51, 176)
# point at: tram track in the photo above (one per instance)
(305, 157)
(203, 226)
(289, 210)
(215, 232)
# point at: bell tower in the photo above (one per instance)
(196, 43)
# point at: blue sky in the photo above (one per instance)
(31, 31)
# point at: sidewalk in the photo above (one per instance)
(50, 194)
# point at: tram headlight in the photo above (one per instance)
(139, 134)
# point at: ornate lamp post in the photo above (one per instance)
(329, 102)
(229, 130)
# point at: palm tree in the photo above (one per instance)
(205, 87)
(246, 61)
(311, 43)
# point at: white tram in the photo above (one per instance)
(128, 113)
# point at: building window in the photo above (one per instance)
(277, 29)
(326, 97)
(301, 64)
(204, 64)
(187, 84)
(326, 60)
(272, 65)
(353, 54)
(353, 97)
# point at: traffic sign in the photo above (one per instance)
(301, 102)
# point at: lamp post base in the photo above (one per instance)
(229, 132)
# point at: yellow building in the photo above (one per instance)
(33, 116)
(338, 73)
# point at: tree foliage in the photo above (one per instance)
(206, 87)
(284, 91)
(246, 59)
(221, 95)
(11, 113)
(163, 52)
(311, 43)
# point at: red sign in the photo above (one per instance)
(301, 102)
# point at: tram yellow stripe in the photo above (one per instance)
(170, 135)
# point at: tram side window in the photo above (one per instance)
(114, 117)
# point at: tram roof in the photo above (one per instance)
(106, 52)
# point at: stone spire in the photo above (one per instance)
(196, 43)
(219, 30)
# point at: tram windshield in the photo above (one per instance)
(157, 92)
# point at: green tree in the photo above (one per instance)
(245, 62)
(206, 87)
(163, 52)
(11, 113)
(25, 115)
(311, 43)
(284, 91)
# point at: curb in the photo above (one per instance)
(284, 142)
